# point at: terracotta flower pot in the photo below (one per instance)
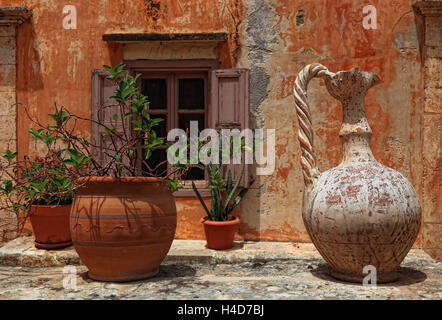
(220, 234)
(51, 226)
(122, 228)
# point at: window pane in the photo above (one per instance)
(184, 121)
(191, 94)
(156, 92)
(195, 174)
(161, 128)
(158, 156)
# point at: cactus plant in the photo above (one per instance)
(222, 193)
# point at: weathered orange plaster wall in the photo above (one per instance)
(331, 32)
(54, 65)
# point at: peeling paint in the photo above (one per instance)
(274, 39)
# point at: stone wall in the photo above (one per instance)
(431, 14)
(8, 118)
(274, 39)
(281, 37)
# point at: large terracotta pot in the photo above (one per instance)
(360, 213)
(123, 228)
(50, 226)
(220, 234)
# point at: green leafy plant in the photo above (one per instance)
(42, 180)
(130, 134)
(224, 197)
(51, 179)
(225, 192)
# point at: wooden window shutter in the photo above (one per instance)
(103, 110)
(229, 103)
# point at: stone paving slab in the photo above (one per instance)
(22, 252)
(250, 270)
(300, 278)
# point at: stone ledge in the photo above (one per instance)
(141, 37)
(14, 15)
(429, 8)
(22, 252)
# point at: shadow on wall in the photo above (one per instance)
(29, 76)
(420, 32)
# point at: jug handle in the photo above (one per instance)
(305, 134)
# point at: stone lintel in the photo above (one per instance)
(14, 15)
(140, 37)
(429, 8)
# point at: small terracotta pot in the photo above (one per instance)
(220, 234)
(122, 228)
(50, 225)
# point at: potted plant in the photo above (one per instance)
(42, 188)
(220, 225)
(123, 216)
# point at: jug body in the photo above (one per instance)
(360, 213)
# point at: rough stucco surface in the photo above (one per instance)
(332, 33)
(432, 137)
(275, 39)
(266, 271)
(54, 64)
(7, 112)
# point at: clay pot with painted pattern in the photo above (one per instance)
(360, 215)
(122, 228)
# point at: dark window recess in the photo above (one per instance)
(191, 107)
(195, 174)
(189, 104)
(191, 94)
(179, 97)
(161, 128)
(158, 156)
(156, 92)
(184, 121)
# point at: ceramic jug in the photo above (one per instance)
(360, 213)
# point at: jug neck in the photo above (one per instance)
(355, 132)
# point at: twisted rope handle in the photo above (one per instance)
(305, 135)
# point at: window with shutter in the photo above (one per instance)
(230, 107)
(104, 110)
(179, 92)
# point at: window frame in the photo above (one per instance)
(150, 68)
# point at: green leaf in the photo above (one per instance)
(7, 186)
(147, 154)
(230, 195)
(9, 155)
(201, 200)
(238, 199)
(36, 134)
(173, 184)
(229, 182)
